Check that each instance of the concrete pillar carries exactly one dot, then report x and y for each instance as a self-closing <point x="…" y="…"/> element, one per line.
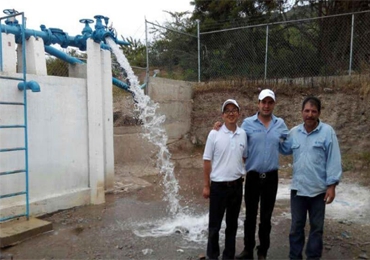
<point x="8" y="53"/>
<point x="95" y="122"/>
<point x="35" y="57"/>
<point x="108" y="119"/>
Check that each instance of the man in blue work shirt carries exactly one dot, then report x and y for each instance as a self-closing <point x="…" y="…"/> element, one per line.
<point x="316" y="172"/>
<point x="265" y="133"/>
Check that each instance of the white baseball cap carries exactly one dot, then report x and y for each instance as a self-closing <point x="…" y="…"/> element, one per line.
<point x="229" y="101"/>
<point x="266" y="93"/>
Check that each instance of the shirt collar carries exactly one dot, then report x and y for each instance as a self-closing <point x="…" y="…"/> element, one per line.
<point x="224" y="128"/>
<point x="318" y="127"/>
<point x="255" y="117"/>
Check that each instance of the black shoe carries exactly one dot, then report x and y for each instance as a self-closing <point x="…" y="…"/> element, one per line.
<point x="261" y="254"/>
<point x="245" y="255"/>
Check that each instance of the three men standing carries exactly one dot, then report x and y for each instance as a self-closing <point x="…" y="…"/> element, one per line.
<point x="316" y="172"/>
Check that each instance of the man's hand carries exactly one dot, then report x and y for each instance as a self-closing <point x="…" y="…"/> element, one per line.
<point x="206" y="191"/>
<point x="217" y="126"/>
<point x="330" y="194"/>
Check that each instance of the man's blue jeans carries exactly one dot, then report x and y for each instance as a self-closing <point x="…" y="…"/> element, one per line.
<point x="315" y="206"/>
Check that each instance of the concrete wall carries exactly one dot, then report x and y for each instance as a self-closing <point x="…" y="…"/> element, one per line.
<point x="70" y="134"/>
<point x="175" y="102"/>
<point x="70" y="130"/>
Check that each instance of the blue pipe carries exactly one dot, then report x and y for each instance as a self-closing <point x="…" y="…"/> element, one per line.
<point x="121" y="84"/>
<point x="32" y="85"/>
<point x="57" y="36"/>
<point x="73" y="60"/>
<point x="61" y="55"/>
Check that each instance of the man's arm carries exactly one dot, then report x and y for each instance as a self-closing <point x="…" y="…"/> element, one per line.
<point x="333" y="161"/>
<point x="333" y="167"/>
<point x="207" y="167"/>
<point x="285" y="145"/>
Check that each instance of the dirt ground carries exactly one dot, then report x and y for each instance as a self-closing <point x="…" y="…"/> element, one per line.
<point x="107" y="231"/>
<point x="111" y="230"/>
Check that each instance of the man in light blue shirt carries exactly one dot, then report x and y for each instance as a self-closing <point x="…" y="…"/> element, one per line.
<point x="265" y="133"/>
<point x="316" y="172"/>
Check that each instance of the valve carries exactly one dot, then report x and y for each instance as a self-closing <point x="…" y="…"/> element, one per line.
<point x="99" y="24"/>
<point x="87" y="29"/>
<point x="11" y="20"/>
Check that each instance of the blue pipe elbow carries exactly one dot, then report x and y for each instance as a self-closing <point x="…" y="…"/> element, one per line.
<point x="32" y="85"/>
<point x="120" y="84"/>
<point x="119" y="42"/>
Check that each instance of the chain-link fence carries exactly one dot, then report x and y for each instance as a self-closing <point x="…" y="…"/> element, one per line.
<point x="324" y="46"/>
<point x="171" y="52"/>
<point x="327" y="46"/>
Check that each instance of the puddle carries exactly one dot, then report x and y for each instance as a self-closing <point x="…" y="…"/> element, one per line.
<point x="352" y="202"/>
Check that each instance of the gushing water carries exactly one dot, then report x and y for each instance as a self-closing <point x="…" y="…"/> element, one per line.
<point x="193" y="228"/>
<point x="153" y="131"/>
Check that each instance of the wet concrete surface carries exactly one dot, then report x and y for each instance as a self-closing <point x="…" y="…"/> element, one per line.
<point x="108" y="231"/>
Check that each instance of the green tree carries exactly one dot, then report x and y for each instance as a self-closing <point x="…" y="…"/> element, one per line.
<point x="134" y="52"/>
<point x="332" y="36"/>
<point x="173" y="48"/>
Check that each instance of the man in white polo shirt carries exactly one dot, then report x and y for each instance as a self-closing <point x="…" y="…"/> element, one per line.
<point x="224" y="156"/>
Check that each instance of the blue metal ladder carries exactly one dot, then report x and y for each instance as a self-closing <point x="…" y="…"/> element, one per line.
<point x="24" y="168"/>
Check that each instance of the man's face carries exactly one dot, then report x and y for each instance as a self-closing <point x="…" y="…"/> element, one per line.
<point x="266" y="106"/>
<point x="230" y="114"/>
<point x="310" y="115"/>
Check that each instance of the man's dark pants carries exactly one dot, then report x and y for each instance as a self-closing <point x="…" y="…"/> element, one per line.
<point x="224" y="197"/>
<point x="315" y="206"/>
<point x="259" y="188"/>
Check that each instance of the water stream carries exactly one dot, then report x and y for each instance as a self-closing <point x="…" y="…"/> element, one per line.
<point x="153" y="130"/>
<point x="181" y="219"/>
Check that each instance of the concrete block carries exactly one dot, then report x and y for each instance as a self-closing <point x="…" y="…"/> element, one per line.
<point x="16" y="231"/>
<point x="168" y="89"/>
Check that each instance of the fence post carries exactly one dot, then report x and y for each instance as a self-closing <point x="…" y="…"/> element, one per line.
<point x="351" y="48"/>
<point x="147" y="59"/>
<point x="198" y="36"/>
<point x="267" y="46"/>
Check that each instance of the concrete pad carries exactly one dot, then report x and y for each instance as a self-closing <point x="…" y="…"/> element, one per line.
<point x="129" y="183"/>
<point x="15" y="231"/>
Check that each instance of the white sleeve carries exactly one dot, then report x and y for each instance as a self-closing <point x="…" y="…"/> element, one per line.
<point x="210" y="145"/>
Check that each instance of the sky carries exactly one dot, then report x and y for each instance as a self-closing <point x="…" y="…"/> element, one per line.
<point x="126" y="16"/>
